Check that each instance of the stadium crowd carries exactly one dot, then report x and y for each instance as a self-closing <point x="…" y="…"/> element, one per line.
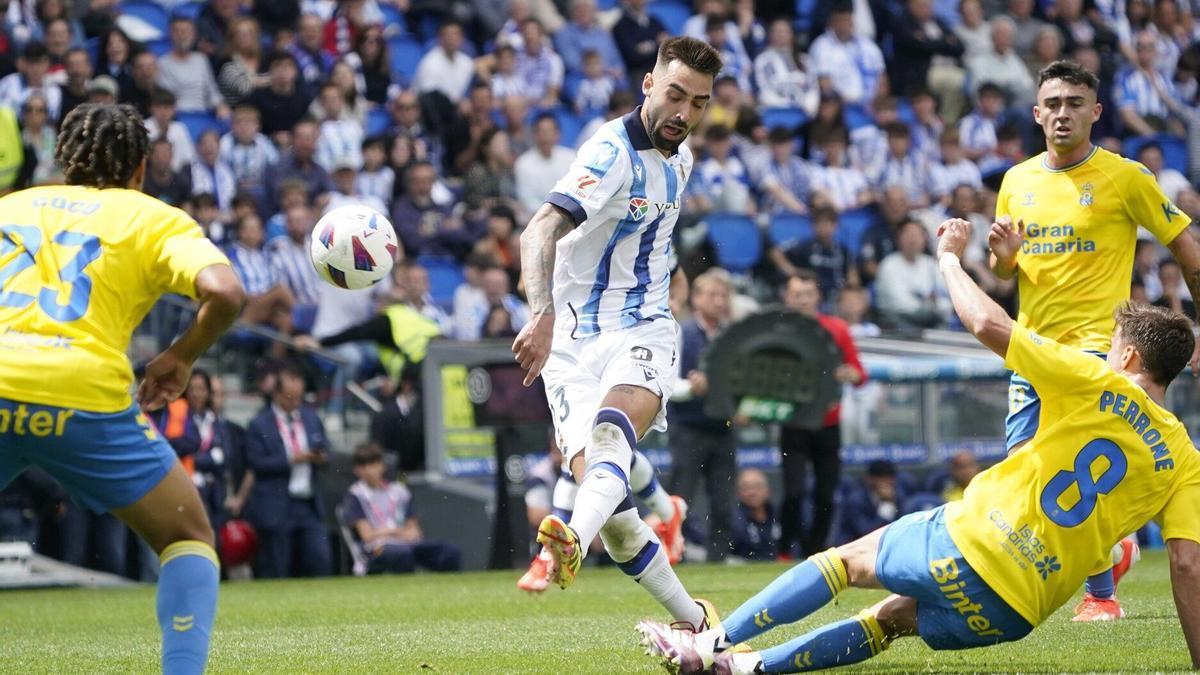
<point x="839" y="134"/>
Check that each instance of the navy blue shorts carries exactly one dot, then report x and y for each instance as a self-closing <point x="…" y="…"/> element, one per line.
<point x="105" y="460"/>
<point x="955" y="608"/>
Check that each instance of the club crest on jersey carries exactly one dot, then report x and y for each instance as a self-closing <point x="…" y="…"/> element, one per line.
<point x="638" y="208"/>
<point x="1086" y="198"/>
<point x="1028" y="199"/>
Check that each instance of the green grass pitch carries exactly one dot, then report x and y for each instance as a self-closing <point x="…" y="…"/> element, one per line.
<point x="480" y="623"/>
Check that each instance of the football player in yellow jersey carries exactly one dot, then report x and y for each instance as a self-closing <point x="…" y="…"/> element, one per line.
<point x="1077" y="208"/>
<point x="80" y="266"/>
<point x="991" y="567"/>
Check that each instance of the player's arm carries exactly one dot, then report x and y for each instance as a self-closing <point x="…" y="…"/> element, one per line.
<point x="1186" y="250"/>
<point x="1004" y="242"/>
<point x="677" y="294"/>
<point x="986" y="320"/>
<point x="538" y="242"/>
<point x="221" y="297"/>
<point x="1185" y="585"/>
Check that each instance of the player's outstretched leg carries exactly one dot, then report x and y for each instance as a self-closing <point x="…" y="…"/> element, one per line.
<point x="638" y="552"/>
<point x="537" y="578"/>
<point x="172" y="520"/>
<point x="670" y="511"/>
<point x="1100" y="601"/>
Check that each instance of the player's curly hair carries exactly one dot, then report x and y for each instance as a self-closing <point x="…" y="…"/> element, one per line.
<point x="1162" y="338"/>
<point x="102" y="145"/>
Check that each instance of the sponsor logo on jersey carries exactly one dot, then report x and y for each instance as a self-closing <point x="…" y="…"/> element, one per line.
<point x="585" y="185"/>
<point x="945" y="572"/>
<point x="638" y="208"/>
<point x="641" y="354"/>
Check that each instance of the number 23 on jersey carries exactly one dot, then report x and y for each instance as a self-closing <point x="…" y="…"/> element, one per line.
<point x="19" y="248"/>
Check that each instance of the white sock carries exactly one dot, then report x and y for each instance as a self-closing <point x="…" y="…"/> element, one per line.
<point x="602" y="490"/>
<point x="626" y="538"/>
<point x="642" y="479"/>
<point x="745" y="663"/>
<point x="563" y="497"/>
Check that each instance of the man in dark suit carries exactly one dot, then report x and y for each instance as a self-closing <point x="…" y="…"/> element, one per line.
<point x="400" y="427"/>
<point x="927" y="55"/>
<point x="285" y="448"/>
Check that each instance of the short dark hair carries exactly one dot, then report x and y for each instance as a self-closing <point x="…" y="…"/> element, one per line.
<point x="991" y="88"/>
<point x="1152" y="145"/>
<point x="279" y="56"/>
<point x="35" y="51"/>
<point x="542" y="117"/>
<point x="1161" y="337"/>
<point x="161" y="96"/>
<point x="367" y="453"/>
<point x="807" y="276"/>
<point x="204" y="199"/>
<point x="717" y="132"/>
<point x="824" y="213"/>
<point x="693" y="53"/>
<point x="780" y="135"/>
<point x="897" y="129"/>
<point x="1070" y="72"/>
<point x="102" y="145"/>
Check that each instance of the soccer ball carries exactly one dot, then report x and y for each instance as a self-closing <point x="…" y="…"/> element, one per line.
<point x="353" y="246"/>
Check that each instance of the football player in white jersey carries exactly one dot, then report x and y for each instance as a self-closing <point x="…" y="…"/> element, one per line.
<point x="602" y="335"/>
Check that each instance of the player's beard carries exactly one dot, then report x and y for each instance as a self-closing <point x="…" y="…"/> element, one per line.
<point x="663" y="142"/>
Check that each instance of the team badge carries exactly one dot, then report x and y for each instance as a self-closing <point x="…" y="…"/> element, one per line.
<point x="1028" y="199"/>
<point x="638" y="207"/>
<point x="1086" y="198"/>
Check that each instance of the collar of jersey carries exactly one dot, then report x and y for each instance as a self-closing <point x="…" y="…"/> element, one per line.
<point x="1068" y="168"/>
<point x="637" y="131"/>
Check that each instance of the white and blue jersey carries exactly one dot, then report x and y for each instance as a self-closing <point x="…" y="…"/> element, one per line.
<point x="613" y="271"/>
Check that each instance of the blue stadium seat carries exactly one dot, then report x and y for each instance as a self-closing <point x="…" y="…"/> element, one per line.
<point x="672" y="15"/>
<point x="788" y="229"/>
<point x="788" y="118"/>
<point x="804" y="16"/>
<point x="152" y="13"/>
<point x="445" y="276"/>
<point x="428" y="26"/>
<point x="405" y="54"/>
<point x="378" y="120"/>
<point x="393" y="19"/>
<point x="92" y="45"/>
<point x="159" y="47"/>
<point x="852" y="225"/>
<point x="188" y="10"/>
<point x="199" y="122"/>
<point x="735" y="240"/>
<point x="569" y="124"/>
<point x="856" y="116"/>
<point x="1174" y="149"/>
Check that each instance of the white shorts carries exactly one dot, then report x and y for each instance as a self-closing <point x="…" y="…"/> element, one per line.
<point x="580" y="371"/>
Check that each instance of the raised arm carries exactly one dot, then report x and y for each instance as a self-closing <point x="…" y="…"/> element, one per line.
<point x="538" y="241"/>
<point x="1004" y="242"/>
<point x="1186" y="250"/>
<point x="1185" y="585"/>
<point x="986" y="320"/>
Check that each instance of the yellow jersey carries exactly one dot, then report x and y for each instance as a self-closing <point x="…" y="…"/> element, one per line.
<point x="79" y="269"/>
<point x="1076" y="263"/>
<point x="1105" y="460"/>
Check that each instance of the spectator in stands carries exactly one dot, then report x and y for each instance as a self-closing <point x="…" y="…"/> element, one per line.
<point x="1047" y="48"/>
<point x="823" y="254"/>
<point x="162" y="124"/>
<point x="30" y="77"/>
<point x="102" y="90"/>
<point x="1083" y="29"/>
<point x="977" y="131"/>
<point x="289" y="257"/>
<point x="583" y="33"/>
<point x="1028" y="26"/>
<point x="188" y="74"/>
<point x="723" y="35"/>
<point x="1175" y="295"/>
<point x="964" y="203"/>
<point x="283" y="103"/>
<point x="143" y="77"/>
<point x="380" y="514"/>
<point x="246" y="151"/>
<point x="211" y="175"/>
<point x="79" y="71"/>
<point x="447" y="69"/>
<point x="268" y="301"/>
<point x="501" y="244"/>
<point x="860" y="403"/>
<point x="905" y="168"/>
<point x="955" y="169"/>
<point x="214" y="27"/>
<point x="116" y="53"/>
<point x="200" y="438"/>
<point x="595" y="88"/>
<point x="850" y="65"/>
<point x="540" y="167"/>
<point x="973" y="32"/>
<point x="244" y="71"/>
<point x="372" y="66"/>
<point x="927" y="126"/>
<point x="963" y="468"/>
<point x="350" y="18"/>
<point x="502" y="73"/>
<point x="37" y="133"/>
<point x="425" y="227"/>
<point x="781" y="81"/>
<point x="345" y="183"/>
<point x="208" y="216"/>
<point x="1007" y="153"/>
<point x="1175" y="32"/>
<point x="286" y="447"/>
<point x="300" y="163"/>
<point x="784" y="179"/>
<point x="638" y="35"/>
<point x="406" y="122"/>
<point x="927" y="55"/>
<point x="1171" y="181"/>
<point x="162" y="181"/>
<point x="720" y="182"/>
<point x="908" y="289"/>
<point x="755" y="528"/>
<point x="822" y="446"/>
<point x="399" y="429"/>
<point x="703" y="448"/>
<point x="1003" y="67"/>
<point x="308" y="52"/>
<point x="470" y="318"/>
<point x="539" y="66"/>
<point x="413" y="281"/>
<point x="880" y="238"/>
<point x="57" y="38"/>
<point x="836" y="183"/>
<point x="873" y="502"/>
<point x="468" y="128"/>
<point x="490" y="180"/>
<point x="341" y="134"/>
<point x="376" y="179"/>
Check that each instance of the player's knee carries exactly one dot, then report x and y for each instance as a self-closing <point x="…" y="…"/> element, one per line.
<point x="625" y="535"/>
<point x="897" y="616"/>
<point x="612" y="443"/>
<point x="859" y="559"/>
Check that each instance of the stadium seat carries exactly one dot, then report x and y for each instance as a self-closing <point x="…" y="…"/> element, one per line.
<point x="199" y="122"/>
<point x="159" y="47"/>
<point x="605" y="5"/>
<point x="788" y="118"/>
<point x="1174" y="149"/>
<point x="672" y="15"/>
<point x="378" y="120"/>
<point x="445" y="276"/>
<point x="405" y="54"/>
<point x="804" y="16"/>
<point x="92" y="45"/>
<point x="852" y="225"/>
<point x="393" y="19"/>
<point x="856" y="116"/>
<point x="569" y="124"/>
<point x="151" y="13"/>
<point x="735" y="240"/>
<point x="188" y="10"/>
<point x="428" y="25"/>
<point x="788" y="229"/>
